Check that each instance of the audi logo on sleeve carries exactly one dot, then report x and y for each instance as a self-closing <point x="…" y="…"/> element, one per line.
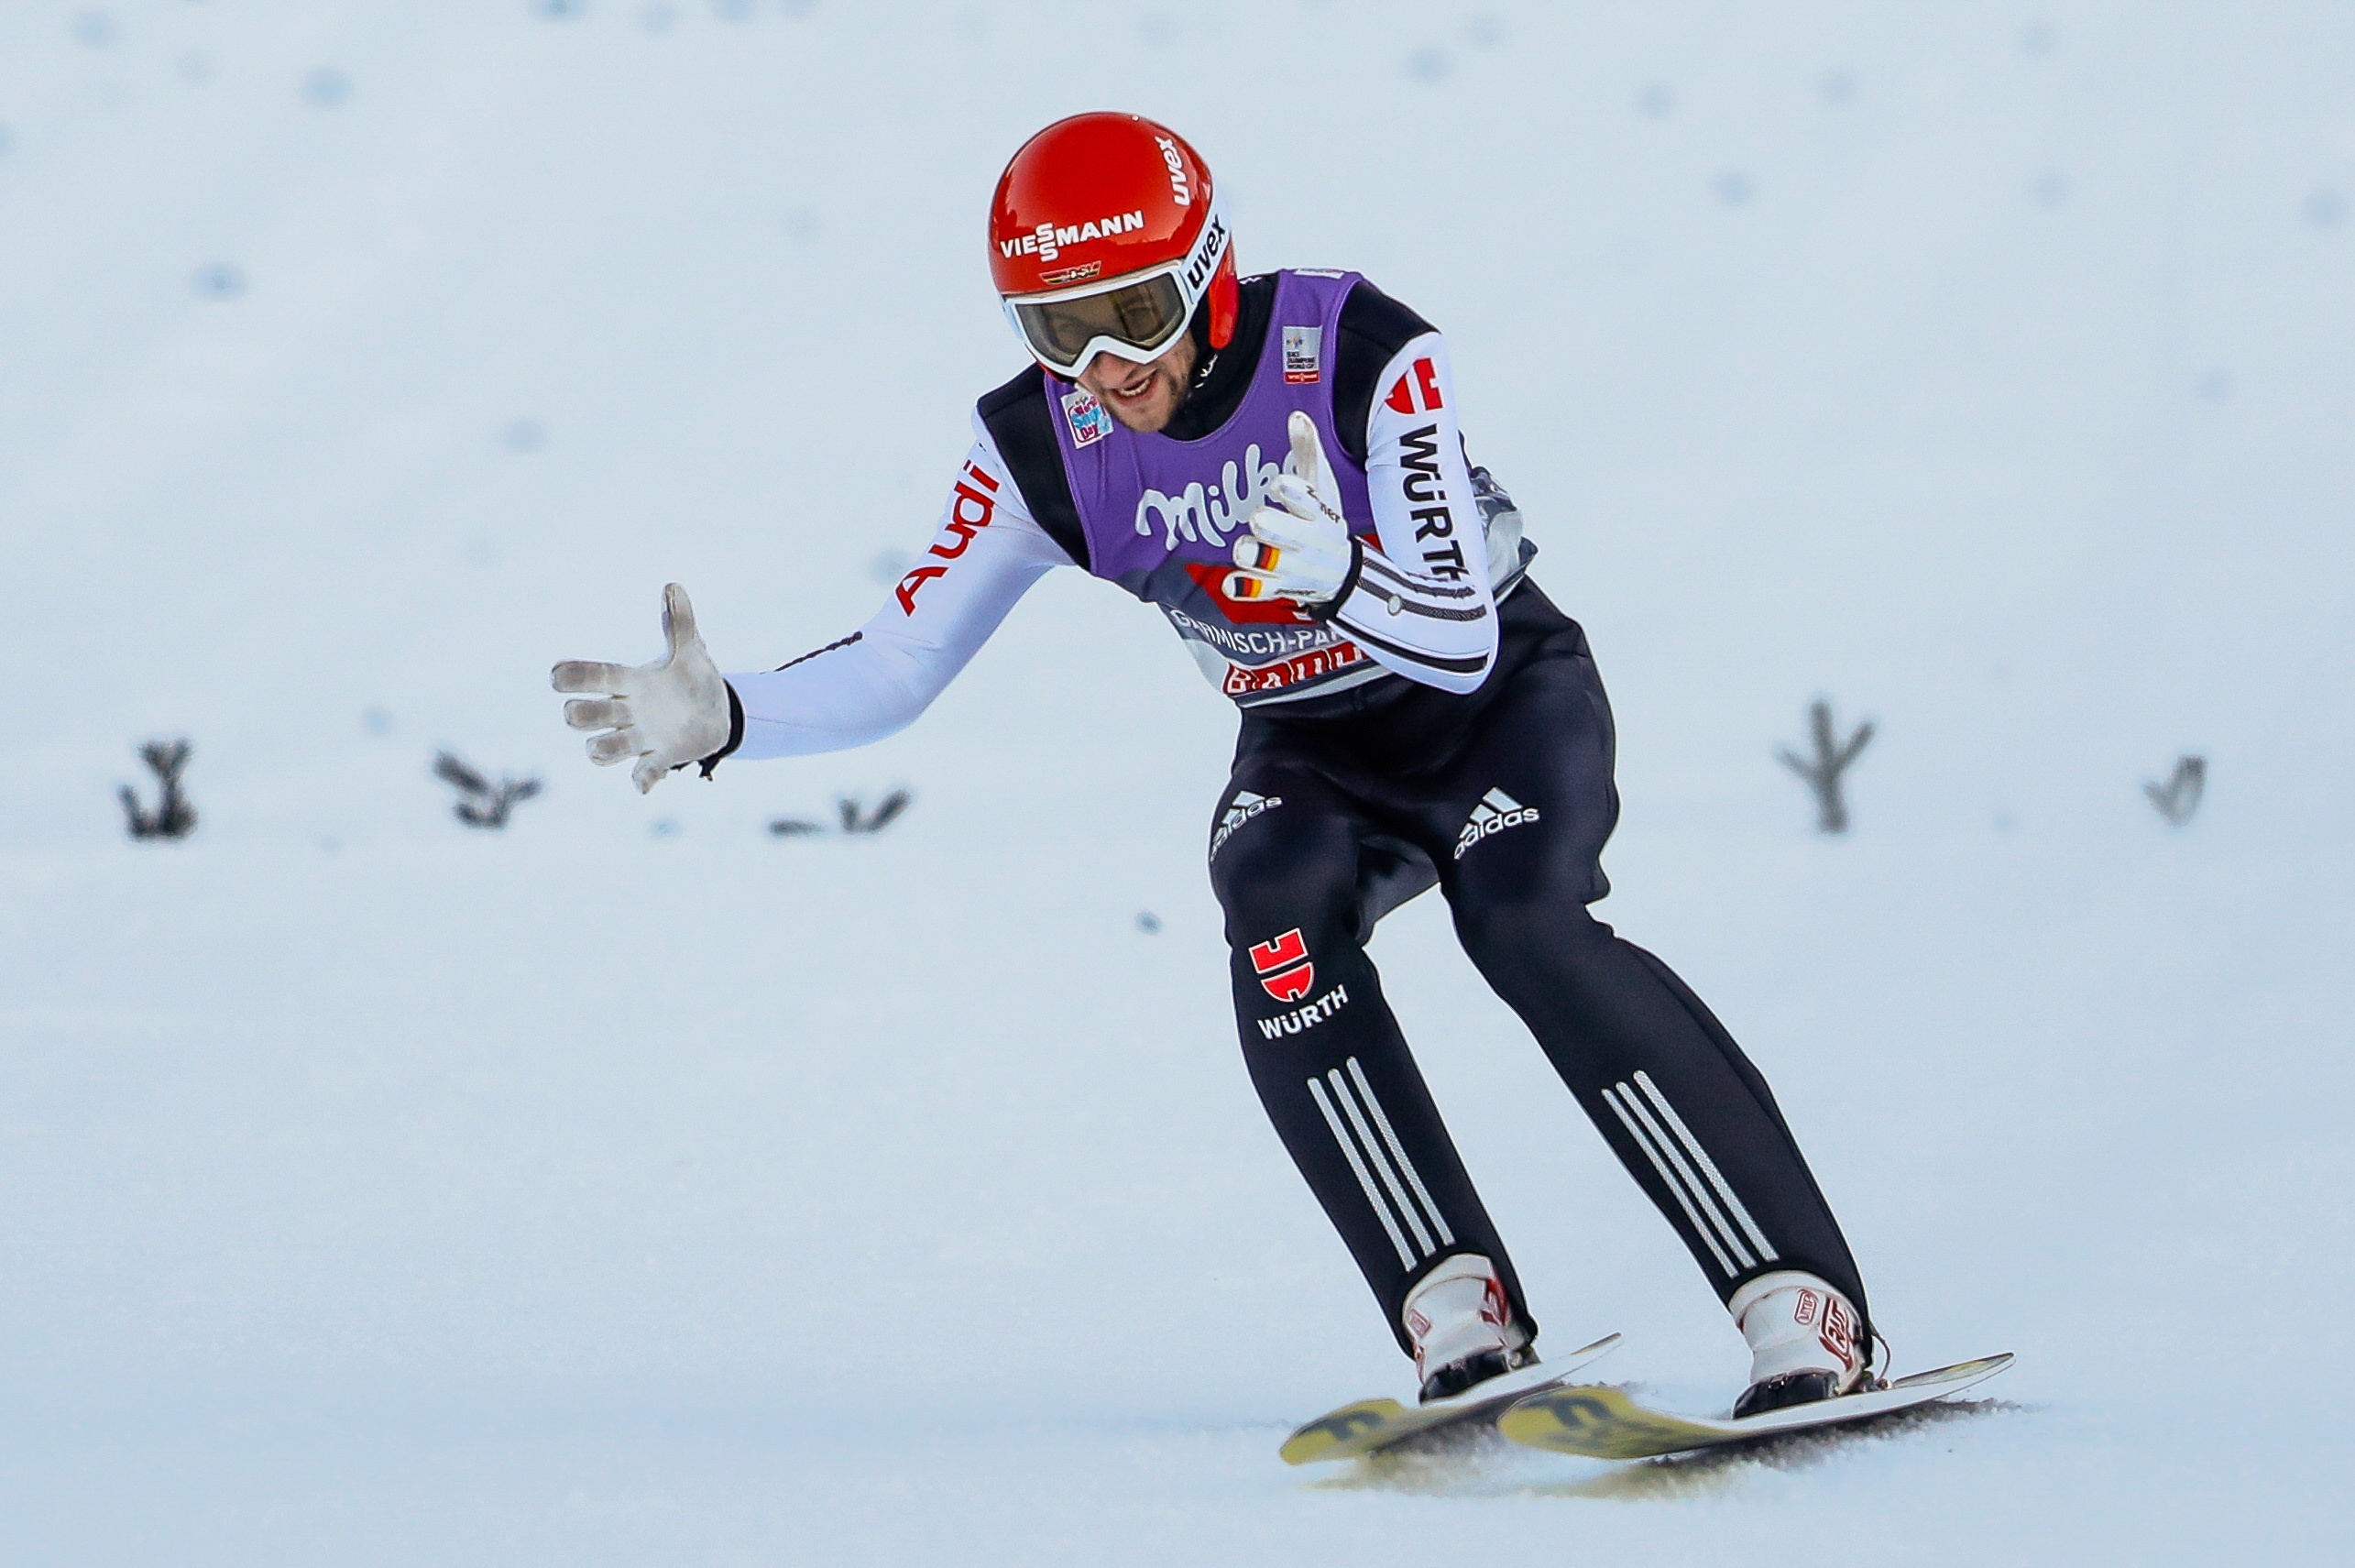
<point x="970" y="511"/>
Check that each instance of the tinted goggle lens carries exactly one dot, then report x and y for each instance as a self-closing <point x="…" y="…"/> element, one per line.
<point x="1143" y="316"/>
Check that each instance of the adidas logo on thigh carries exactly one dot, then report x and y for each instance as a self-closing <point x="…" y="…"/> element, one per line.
<point x="1496" y="812"/>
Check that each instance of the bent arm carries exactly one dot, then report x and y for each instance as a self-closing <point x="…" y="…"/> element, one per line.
<point x="875" y="682"/>
<point x="1421" y="603"/>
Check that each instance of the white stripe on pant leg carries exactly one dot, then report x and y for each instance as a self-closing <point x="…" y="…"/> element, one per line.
<point x="1692" y="1178"/>
<point x="1349" y="1151"/>
<point x="1447" y="1237"/>
<point x="1610" y="1098"/>
<point x="1381" y="1165"/>
<point x="1708" y="1166"/>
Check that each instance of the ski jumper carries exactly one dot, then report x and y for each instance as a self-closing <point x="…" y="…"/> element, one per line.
<point x="1441" y="724"/>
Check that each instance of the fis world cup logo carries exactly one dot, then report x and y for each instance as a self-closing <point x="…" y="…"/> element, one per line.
<point x="1496" y="812"/>
<point x="1303" y="354"/>
<point x="1285" y="972"/>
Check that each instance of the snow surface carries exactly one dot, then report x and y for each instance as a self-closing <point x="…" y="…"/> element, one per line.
<point x="634" y="1187"/>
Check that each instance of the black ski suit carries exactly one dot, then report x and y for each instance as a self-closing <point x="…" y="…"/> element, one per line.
<point x="1507" y="795"/>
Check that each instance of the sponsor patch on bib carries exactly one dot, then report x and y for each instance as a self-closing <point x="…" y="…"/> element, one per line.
<point x="1303" y="347"/>
<point x="1091" y="422"/>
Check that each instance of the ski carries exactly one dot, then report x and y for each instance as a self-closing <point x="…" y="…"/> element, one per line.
<point x="1605" y="1423"/>
<point x="1370" y="1426"/>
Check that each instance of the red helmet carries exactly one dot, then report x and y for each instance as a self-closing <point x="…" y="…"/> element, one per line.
<point x="1105" y="235"/>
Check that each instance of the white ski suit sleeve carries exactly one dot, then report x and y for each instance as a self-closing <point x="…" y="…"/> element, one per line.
<point x="1423" y="602"/>
<point x="876" y="681"/>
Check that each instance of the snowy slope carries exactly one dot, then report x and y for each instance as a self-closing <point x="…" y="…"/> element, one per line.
<point x="384" y="1191"/>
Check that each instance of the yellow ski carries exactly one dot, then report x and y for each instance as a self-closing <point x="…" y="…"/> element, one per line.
<point x="1371" y="1425"/>
<point x="1604" y="1423"/>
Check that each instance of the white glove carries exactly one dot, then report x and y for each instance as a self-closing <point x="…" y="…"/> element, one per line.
<point x="1303" y="553"/>
<point x="666" y="714"/>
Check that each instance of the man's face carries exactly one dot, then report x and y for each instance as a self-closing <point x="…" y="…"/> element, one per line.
<point x="1142" y="396"/>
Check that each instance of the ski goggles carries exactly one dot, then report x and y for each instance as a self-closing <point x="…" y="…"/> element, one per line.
<point x="1135" y="317"/>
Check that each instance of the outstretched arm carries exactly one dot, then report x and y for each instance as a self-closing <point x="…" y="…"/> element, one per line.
<point x="856" y="689"/>
<point x="874" y="682"/>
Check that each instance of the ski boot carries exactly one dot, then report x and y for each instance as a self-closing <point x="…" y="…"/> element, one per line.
<point x="1462" y="1328"/>
<point x="1804" y="1343"/>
